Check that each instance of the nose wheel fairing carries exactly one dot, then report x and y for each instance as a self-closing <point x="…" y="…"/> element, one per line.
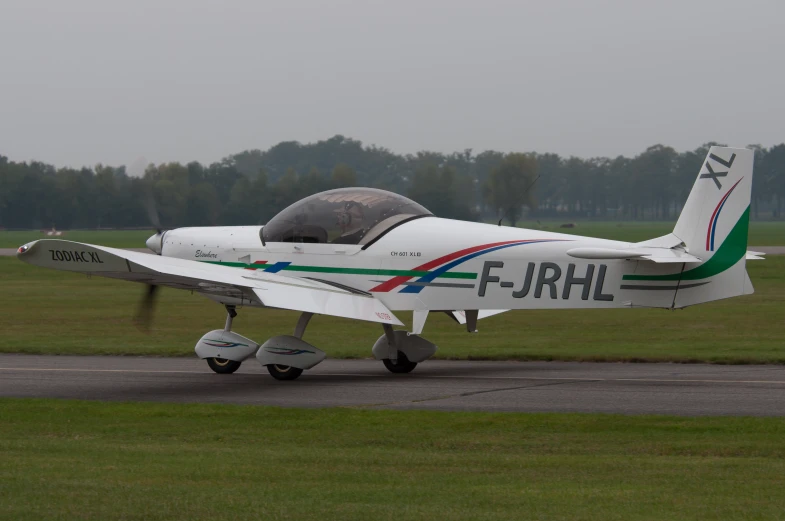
<point x="225" y="345"/>
<point x="284" y="356"/>
<point x="289" y="351"/>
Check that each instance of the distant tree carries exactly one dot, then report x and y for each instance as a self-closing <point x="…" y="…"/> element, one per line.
<point x="654" y="175"/>
<point x="773" y="175"/>
<point x="202" y="205"/>
<point x="509" y="185"/>
<point x="760" y="190"/>
<point x="106" y="189"/>
<point x="251" y="186"/>
<point x="287" y="190"/>
<point x="249" y="202"/>
<point x="443" y="191"/>
<point x="343" y="175"/>
<point x="313" y="183"/>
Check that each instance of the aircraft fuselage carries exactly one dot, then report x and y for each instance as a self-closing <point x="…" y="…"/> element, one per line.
<point x="443" y="264"/>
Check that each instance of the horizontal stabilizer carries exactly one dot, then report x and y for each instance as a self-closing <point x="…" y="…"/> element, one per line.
<point x="658" y="255"/>
<point x="755" y="255"/>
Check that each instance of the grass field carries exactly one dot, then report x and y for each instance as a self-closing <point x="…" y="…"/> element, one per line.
<point x="761" y="233"/>
<point x="83" y="460"/>
<point x="45" y="311"/>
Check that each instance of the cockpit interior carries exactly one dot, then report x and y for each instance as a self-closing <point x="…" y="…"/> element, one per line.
<point x="356" y="216"/>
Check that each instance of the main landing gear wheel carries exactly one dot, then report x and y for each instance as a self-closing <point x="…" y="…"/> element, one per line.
<point x="284" y="372"/>
<point x="223" y="366"/>
<point x="402" y="365"/>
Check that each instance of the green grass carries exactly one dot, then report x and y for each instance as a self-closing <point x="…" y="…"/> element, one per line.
<point x="762" y="233"/>
<point x="52" y="312"/>
<point x="83" y="460"/>
<point x="113" y="238"/>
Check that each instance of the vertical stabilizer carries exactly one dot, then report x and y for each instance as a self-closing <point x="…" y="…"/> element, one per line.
<point x="713" y="226"/>
<point x="719" y="200"/>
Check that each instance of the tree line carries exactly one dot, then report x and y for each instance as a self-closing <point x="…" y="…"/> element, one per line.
<point x="252" y="186"/>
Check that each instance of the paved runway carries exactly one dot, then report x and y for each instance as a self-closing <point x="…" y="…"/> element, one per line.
<point x="680" y="389"/>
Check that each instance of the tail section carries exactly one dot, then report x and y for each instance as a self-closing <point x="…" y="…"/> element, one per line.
<point x="713" y="226"/>
<point x="712" y="229"/>
<point x="719" y="200"/>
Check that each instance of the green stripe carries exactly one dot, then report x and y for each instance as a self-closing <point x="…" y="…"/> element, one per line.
<point x="732" y="250"/>
<point x="350" y="271"/>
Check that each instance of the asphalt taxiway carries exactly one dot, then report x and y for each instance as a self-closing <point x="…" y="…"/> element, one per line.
<point x="679" y="389"/>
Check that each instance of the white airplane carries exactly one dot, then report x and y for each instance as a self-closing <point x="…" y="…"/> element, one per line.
<point x="363" y="253"/>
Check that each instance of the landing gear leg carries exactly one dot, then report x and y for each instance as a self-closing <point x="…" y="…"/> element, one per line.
<point x="222" y="365"/>
<point x="396" y="361"/>
<point x="286" y="372"/>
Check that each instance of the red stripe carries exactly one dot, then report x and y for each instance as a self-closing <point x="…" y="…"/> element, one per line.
<point x="256" y="262"/>
<point x="708" y="232"/>
<point x="396" y="281"/>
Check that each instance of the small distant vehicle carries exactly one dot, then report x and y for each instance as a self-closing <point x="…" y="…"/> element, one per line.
<point x="362" y="253"/>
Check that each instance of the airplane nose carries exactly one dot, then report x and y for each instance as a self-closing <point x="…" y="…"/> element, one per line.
<point x="155" y="243"/>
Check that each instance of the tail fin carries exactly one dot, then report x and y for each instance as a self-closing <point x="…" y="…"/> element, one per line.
<point x="720" y="198"/>
<point x="713" y="226"/>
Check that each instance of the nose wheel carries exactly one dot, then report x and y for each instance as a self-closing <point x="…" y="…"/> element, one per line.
<point x="284" y="372"/>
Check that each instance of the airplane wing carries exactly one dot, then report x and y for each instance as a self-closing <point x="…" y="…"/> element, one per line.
<point x="267" y="289"/>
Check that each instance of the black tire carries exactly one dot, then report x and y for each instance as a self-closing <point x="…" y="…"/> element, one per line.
<point x="223" y="366"/>
<point x="400" y="366"/>
<point x="284" y="372"/>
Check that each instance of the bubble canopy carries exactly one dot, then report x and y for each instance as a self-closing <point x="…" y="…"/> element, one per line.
<point x="342" y="216"/>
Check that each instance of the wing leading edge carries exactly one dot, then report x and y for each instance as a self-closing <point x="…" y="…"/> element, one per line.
<point x="267" y="289"/>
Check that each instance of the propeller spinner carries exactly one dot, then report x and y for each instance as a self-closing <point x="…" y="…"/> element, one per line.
<point x="156" y="242"/>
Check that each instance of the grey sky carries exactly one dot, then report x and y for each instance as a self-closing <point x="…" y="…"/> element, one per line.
<point x="87" y="81"/>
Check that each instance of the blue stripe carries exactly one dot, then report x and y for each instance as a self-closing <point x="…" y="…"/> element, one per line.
<point x="278" y="266"/>
<point x="437" y="272"/>
<point x="717" y="218"/>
